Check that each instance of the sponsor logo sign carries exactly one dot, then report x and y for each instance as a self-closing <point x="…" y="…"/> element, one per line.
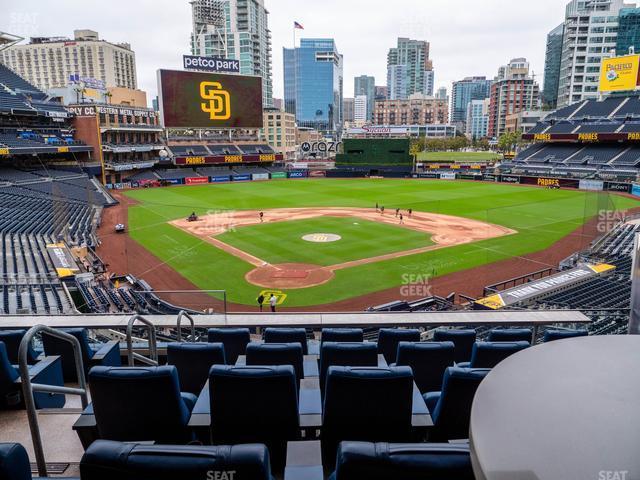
<point x="278" y="175"/>
<point x="635" y="190"/>
<point x="196" y="180"/>
<point x="210" y="64"/>
<point x="427" y="175"/>
<point x="593" y="185"/>
<point x="4" y="151"/>
<point x="322" y="147"/>
<point x="260" y="176"/>
<point x="619" y="73"/>
<point x="489" y="178"/>
<point x="241" y="178"/>
<point x="296" y="175"/>
<point x="509" y="179"/>
<point x="617" y="187"/>
<point x="447" y="176"/>
<point x="92" y="110"/>
<point x="221" y="178"/>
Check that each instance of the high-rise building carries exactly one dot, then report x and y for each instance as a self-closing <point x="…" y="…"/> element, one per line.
<point x="381" y="92"/>
<point x="416" y="110"/>
<point x="590" y="33"/>
<point x="360" y="109"/>
<point x="628" y="31"/>
<point x="56" y="62"/>
<point x="236" y="29"/>
<point x="409" y="69"/>
<point x="279" y="131"/>
<point x="477" y="124"/>
<point x="313" y="84"/>
<point x="366" y="85"/>
<point x="348" y="106"/>
<point x="442" y="94"/>
<point x="552" y="61"/>
<point x="463" y="92"/>
<point x="512" y="91"/>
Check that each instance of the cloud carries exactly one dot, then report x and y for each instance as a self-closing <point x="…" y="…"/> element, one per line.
<point x="467" y="37"/>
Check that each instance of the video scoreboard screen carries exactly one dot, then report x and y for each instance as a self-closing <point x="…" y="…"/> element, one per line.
<point x="209" y="100"/>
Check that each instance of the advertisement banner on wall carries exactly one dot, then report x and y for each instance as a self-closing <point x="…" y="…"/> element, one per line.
<point x="297" y="174"/>
<point x="489" y="178"/>
<point x="259" y="176"/>
<point x="427" y="175"/>
<point x="635" y="190"/>
<point x="278" y="175"/>
<point x="241" y="178"/>
<point x="196" y="180"/>
<point x="220" y="178"/>
<point x="509" y="179"/>
<point x="617" y="187"/>
<point x="173" y="181"/>
<point x="447" y="176"/>
<point x="592" y="185"/>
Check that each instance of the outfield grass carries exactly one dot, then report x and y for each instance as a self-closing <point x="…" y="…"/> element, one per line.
<point x="282" y="242"/>
<point x="459" y="157"/>
<point x="540" y="216"/>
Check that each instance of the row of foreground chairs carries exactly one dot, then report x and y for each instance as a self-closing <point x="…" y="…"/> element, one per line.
<point x="108" y="460"/>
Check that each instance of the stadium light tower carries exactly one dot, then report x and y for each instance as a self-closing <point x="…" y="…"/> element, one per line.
<point x="209" y="19"/>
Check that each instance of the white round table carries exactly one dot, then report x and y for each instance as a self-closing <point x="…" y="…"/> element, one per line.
<point x="563" y="410"/>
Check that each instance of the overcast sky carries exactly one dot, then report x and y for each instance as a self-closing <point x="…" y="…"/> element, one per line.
<point x="468" y="37"/>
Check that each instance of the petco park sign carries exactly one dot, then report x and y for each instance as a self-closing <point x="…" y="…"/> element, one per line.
<point x="210" y="64"/>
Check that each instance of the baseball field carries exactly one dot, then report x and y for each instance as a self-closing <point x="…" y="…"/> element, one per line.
<point x="322" y="241"/>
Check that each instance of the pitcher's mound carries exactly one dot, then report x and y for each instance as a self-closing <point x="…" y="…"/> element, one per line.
<point x="289" y="275"/>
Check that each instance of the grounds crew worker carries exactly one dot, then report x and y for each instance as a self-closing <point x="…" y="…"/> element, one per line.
<point x="260" y="301"/>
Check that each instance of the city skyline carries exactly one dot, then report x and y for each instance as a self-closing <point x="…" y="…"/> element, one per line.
<point x="364" y="44"/>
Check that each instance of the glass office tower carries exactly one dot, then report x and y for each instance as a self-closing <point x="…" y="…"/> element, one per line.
<point x="313" y="84"/>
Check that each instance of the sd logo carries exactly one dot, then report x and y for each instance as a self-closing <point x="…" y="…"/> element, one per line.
<point x="219" y="101"/>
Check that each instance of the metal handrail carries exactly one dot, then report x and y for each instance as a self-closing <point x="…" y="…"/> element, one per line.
<point x="28" y="388"/>
<point x="193" y="325"/>
<point x="153" y="348"/>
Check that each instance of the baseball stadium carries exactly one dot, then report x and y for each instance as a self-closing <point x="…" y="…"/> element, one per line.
<point x="180" y="300"/>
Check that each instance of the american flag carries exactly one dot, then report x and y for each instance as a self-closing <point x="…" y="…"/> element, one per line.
<point x="298" y="26"/>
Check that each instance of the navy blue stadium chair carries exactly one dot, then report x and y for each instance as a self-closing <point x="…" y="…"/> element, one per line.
<point x="235" y="341"/>
<point x="193" y="362"/>
<point x="450" y="408"/>
<point x="389" y="338"/>
<point x="366" y="404"/>
<point x="252" y="404"/>
<point x="107" y="460"/>
<point x="140" y="404"/>
<point x="342" y="335"/>
<point x="47" y="372"/>
<point x="489" y="354"/>
<point x="287" y="335"/>
<point x="510" y="335"/>
<point x="346" y="354"/>
<point x="551" y="334"/>
<point x="428" y="361"/>
<point x="265" y="354"/>
<point x="406" y="461"/>
<point x="107" y="354"/>
<point x="14" y="462"/>
<point x="463" y="339"/>
<point x="12" y="339"/>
